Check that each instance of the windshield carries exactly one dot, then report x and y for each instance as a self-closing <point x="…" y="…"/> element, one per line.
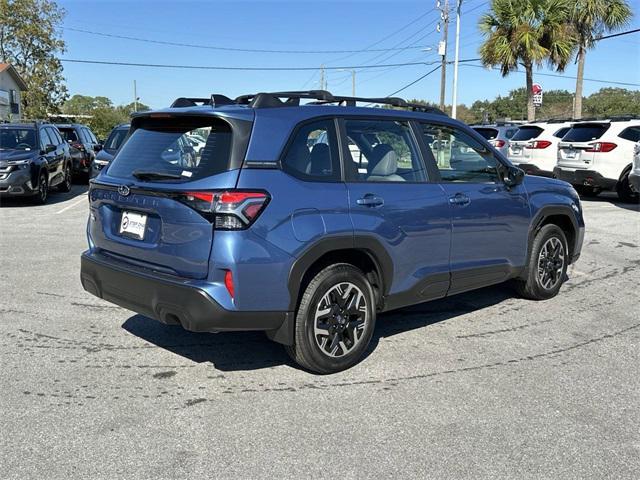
<point x="17" y="138"/>
<point x="115" y="139"/>
<point x="585" y="132"/>
<point x="161" y="148"/>
<point x="526" y="133"/>
<point x="487" y="133"/>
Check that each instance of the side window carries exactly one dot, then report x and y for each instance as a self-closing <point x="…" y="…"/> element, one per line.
<point x="84" y="138"/>
<point x="92" y="138"/>
<point x="510" y="132"/>
<point x="44" y="138"/>
<point x="459" y="157"/>
<point x="631" y="133"/>
<point x="54" y="136"/>
<point x="382" y="151"/>
<point x="313" y="153"/>
<point x="562" y="132"/>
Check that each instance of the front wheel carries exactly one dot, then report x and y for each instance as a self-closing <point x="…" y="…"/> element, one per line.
<point x="548" y="263"/>
<point x="43" y="190"/>
<point x="335" y="320"/>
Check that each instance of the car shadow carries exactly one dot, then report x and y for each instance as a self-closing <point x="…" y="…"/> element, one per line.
<point x="240" y="351"/>
<point x="612" y="199"/>
<point x="54" y="198"/>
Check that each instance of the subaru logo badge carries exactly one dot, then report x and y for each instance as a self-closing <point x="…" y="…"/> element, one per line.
<point x="124" y="190"/>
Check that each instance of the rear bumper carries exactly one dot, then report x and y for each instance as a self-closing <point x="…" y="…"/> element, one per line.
<point x="634" y="181"/>
<point x="531" y="169"/>
<point x="173" y="302"/>
<point x="589" y="178"/>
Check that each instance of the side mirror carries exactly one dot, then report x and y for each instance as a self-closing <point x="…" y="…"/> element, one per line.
<point x="50" y="148"/>
<point x="97" y="147"/>
<point x="513" y="176"/>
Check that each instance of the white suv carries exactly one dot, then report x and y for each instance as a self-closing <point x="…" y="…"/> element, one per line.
<point x="634" y="176"/>
<point x="534" y="147"/>
<point x="597" y="155"/>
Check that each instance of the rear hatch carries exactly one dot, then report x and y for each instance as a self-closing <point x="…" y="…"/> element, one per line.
<point x="518" y="151"/>
<point x="152" y="205"/>
<point x="491" y="135"/>
<point x="576" y="150"/>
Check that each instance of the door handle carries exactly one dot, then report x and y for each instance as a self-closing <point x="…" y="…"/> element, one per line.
<point x="370" y="200"/>
<point x="459" y="199"/>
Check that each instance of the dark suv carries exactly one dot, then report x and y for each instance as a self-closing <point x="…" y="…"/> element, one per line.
<point x="306" y="221"/>
<point x="83" y="146"/>
<point x="111" y="145"/>
<point x="33" y="158"/>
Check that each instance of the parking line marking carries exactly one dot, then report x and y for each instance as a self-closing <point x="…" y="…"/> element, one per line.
<point x="72" y="205"/>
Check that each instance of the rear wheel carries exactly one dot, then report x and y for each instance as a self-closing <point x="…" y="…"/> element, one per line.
<point x="335" y="320"/>
<point x="547" y="267"/>
<point x="43" y="190"/>
<point x="589" y="192"/>
<point x="625" y="193"/>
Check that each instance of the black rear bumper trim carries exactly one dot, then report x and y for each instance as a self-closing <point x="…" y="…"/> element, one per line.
<point x="170" y="301"/>
<point x="589" y="178"/>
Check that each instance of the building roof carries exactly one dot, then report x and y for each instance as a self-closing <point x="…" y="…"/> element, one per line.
<point x="14" y="73"/>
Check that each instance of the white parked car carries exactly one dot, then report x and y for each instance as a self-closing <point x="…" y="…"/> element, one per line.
<point x="634" y="176"/>
<point x="534" y="147"/>
<point x="597" y="155"/>
<point x="497" y="135"/>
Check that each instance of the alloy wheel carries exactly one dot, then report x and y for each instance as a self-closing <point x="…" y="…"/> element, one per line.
<point x="340" y="319"/>
<point x="551" y="263"/>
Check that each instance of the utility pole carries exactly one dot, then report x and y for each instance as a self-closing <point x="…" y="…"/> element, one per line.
<point x="454" y="107"/>
<point x="442" y="49"/>
<point x="353" y="83"/>
<point x="135" y="97"/>
<point x="322" y="80"/>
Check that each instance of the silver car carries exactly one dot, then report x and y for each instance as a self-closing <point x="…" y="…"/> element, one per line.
<point x="498" y="135"/>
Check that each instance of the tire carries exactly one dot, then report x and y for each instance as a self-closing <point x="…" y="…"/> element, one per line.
<point x="40" y="198"/>
<point x="589" y="192"/>
<point x="547" y="268"/>
<point x="335" y="290"/>
<point x="625" y="193"/>
<point x="66" y="184"/>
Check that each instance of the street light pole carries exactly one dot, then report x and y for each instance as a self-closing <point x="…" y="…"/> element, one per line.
<point x="135" y="97"/>
<point x="454" y="106"/>
<point x="353" y="83"/>
<point x="442" y="50"/>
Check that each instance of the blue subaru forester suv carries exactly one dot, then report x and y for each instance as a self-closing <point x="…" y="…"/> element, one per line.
<point x="306" y="221"/>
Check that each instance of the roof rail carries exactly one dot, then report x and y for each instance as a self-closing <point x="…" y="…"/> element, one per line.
<point x="215" y="100"/>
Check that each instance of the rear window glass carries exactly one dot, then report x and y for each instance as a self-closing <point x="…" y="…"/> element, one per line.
<point x="159" y="150"/>
<point x="526" y="133"/>
<point x="69" y="134"/>
<point x="488" y="133"/>
<point x="562" y="132"/>
<point x="115" y="139"/>
<point x="586" y="132"/>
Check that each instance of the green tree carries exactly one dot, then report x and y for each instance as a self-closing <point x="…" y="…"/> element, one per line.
<point x="591" y="19"/>
<point x="527" y="33"/>
<point x="613" y="101"/>
<point x="29" y="40"/>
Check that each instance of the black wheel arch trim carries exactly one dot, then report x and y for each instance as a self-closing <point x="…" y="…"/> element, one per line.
<point x="546" y="212"/>
<point x="369" y="245"/>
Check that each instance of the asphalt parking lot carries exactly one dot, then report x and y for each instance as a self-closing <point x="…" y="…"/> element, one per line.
<point x="481" y="385"/>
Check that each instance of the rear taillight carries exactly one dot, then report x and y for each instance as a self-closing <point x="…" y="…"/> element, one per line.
<point x="601" y="147"/>
<point x="79" y="146"/>
<point x="228" y="210"/>
<point x="498" y="143"/>
<point x="538" y="144"/>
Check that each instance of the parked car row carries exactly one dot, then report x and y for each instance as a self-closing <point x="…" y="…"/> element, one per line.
<point x="592" y="155"/>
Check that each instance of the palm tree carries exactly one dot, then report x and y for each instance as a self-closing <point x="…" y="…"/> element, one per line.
<point x="591" y="19"/>
<point x="527" y="33"/>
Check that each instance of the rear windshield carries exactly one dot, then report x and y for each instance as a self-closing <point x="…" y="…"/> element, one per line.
<point x="488" y="133"/>
<point x="17" y="139"/>
<point x="115" y="139"/>
<point x="526" y="133"/>
<point x="585" y="132"/>
<point x="69" y="134"/>
<point x="160" y="147"/>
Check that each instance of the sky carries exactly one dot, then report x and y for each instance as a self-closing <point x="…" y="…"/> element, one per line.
<point x="409" y="27"/>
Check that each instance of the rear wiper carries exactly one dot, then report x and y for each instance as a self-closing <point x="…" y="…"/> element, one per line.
<point x="151" y="175"/>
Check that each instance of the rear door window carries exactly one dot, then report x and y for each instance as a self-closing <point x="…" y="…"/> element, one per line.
<point x="631" y="133"/>
<point x="585" y="132"/>
<point x="157" y="151"/>
<point x="487" y="133"/>
<point x="562" y="132"/>
<point x="313" y="153"/>
<point x="526" y="133"/>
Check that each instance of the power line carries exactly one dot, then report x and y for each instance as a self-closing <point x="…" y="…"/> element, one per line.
<point x="234" y="49"/>
<point x="628" y="32"/>
<point x="415" y="81"/>
<point x="220" y="67"/>
<point x="597" y="80"/>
